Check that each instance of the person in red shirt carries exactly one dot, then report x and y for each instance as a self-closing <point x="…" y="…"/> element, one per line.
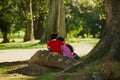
<point x="54" y="45"/>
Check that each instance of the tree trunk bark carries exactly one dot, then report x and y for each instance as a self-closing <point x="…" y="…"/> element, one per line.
<point x="5" y="38"/>
<point x="109" y="44"/>
<point x="51" y="59"/>
<point x="29" y="34"/>
<point x="39" y="30"/>
<point x="56" y="22"/>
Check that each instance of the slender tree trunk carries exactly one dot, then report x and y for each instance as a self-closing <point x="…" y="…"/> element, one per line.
<point x="29" y="34"/>
<point x="109" y="44"/>
<point x="56" y="22"/>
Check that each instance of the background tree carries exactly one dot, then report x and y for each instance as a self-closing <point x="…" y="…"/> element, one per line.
<point x="5" y="26"/>
<point x="6" y="19"/>
<point x="40" y="13"/>
<point x="90" y="18"/>
<point x="108" y="46"/>
<point x="18" y="15"/>
<point x="56" y="21"/>
<point x="29" y="34"/>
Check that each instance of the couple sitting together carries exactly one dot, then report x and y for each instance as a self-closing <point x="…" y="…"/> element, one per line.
<point x="58" y="45"/>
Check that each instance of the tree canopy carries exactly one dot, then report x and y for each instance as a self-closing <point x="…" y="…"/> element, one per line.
<point x="82" y="17"/>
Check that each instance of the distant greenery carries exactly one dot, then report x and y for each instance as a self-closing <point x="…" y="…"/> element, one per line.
<point x="19" y="44"/>
<point x="82" y="17"/>
<point x="22" y="45"/>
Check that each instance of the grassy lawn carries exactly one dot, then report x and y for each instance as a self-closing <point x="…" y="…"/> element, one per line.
<point x="22" y="45"/>
<point x="81" y="47"/>
<point x="10" y="51"/>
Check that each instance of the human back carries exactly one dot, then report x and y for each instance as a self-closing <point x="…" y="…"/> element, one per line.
<point x="68" y="50"/>
<point x="65" y="49"/>
<point x="54" y="45"/>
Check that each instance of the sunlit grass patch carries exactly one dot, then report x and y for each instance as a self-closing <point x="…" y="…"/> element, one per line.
<point x="22" y="45"/>
<point x="83" y="46"/>
<point x="44" y="77"/>
<point x="85" y="40"/>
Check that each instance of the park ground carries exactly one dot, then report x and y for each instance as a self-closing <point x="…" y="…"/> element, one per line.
<point x="24" y="51"/>
<point x="11" y="59"/>
<point x="26" y="54"/>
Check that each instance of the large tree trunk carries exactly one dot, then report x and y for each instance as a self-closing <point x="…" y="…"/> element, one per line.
<point x="109" y="44"/>
<point x="38" y="29"/>
<point x="5" y="38"/>
<point x="56" y="22"/>
<point x="29" y="34"/>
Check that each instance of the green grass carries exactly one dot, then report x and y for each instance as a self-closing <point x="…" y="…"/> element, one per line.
<point x="23" y="45"/>
<point x="19" y="44"/>
<point x="82" y="46"/>
<point x="43" y="77"/>
<point x="86" y="43"/>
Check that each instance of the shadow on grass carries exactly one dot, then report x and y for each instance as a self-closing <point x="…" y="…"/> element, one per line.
<point x="28" y="69"/>
<point x="13" y="63"/>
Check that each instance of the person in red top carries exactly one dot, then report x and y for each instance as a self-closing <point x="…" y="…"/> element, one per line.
<point x="54" y="45"/>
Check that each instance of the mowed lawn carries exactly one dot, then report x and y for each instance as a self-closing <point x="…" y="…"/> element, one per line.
<point x="19" y="50"/>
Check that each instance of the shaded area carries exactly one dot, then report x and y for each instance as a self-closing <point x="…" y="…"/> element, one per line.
<point x="100" y="71"/>
<point x="43" y="61"/>
<point x="103" y="71"/>
<point x="12" y="63"/>
<point x="31" y="70"/>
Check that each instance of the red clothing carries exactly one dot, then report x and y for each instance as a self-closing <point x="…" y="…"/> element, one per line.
<point x="55" y="46"/>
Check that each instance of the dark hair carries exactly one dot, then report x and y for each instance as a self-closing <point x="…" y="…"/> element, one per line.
<point x="61" y="38"/>
<point x="53" y="36"/>
<point x="70" y="47"/>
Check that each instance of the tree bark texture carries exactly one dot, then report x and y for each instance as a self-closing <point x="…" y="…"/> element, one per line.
<point x="56" y="21"/>
<point x="29" y="34"/>
<point x="38" y="28"/>
<point x="51" y="59"/>
<point x="5" y="38"/>
<point x="109" y="44"/>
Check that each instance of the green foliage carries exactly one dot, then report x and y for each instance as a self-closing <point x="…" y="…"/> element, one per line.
<point x="82" y="16"/>
<point x="74" y="33"/>
<point x="16" y="13"/>
<point x="86" y="13"/>
<point x="6" y="16"/>
<point x="4" y="26"/>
